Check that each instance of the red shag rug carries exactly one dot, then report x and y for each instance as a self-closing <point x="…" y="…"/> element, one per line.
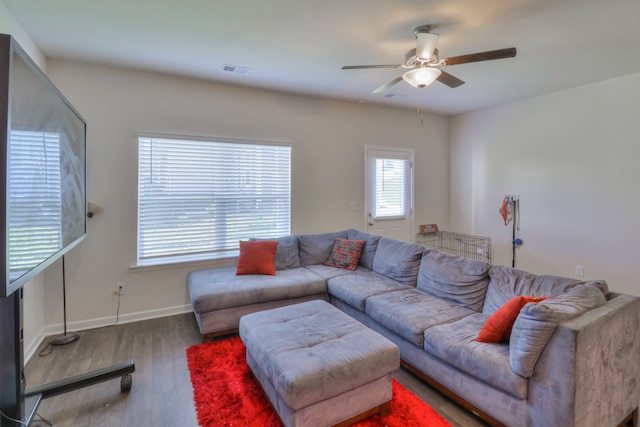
<point x="226" y="394"/>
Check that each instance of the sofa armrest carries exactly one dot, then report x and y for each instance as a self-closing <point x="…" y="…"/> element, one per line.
<point x="589" y="372"/>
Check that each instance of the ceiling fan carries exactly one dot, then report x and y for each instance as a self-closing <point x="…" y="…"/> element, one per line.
<point x="422" y="62"/>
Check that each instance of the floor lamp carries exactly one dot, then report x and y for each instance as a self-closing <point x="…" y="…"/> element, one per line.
<point x="66" y="337"/>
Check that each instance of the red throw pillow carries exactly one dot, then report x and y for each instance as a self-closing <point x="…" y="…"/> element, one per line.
<point x="345" y="254"/>
<point x="498" y="326"/>
<point x="257" y="257"/>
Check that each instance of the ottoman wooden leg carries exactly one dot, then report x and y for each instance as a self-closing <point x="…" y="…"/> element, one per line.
<point x="383" y="410"/>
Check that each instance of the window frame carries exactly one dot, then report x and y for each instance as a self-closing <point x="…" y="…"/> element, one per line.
<point x="215" y="254"/>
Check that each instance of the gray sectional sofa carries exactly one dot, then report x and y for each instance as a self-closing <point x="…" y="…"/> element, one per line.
<point x="572" y="359"/>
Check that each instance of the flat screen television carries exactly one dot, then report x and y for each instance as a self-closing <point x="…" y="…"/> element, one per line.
<point x="43" y="161"/>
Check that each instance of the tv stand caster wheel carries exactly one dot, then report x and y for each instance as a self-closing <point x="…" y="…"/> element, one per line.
<point x="125" y="382"/>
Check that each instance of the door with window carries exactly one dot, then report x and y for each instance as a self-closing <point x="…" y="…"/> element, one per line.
<point x="389" y="192"/>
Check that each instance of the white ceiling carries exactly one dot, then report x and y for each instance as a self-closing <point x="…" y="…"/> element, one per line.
<point x="299" y="45"/>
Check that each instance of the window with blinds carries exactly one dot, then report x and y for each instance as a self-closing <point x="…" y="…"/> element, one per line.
<point x="197" y="199"/>
<point x="390" y="188"/>
<point x="34" y="199"/>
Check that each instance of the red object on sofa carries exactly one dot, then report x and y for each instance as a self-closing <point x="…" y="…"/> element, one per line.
<point x="257" y="257"/>
<point x="498" y="326"/>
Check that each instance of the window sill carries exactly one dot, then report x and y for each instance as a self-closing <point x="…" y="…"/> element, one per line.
<point x="226" y="260"/>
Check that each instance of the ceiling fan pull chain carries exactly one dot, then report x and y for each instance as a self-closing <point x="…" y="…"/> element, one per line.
<point x="420" y="108"/>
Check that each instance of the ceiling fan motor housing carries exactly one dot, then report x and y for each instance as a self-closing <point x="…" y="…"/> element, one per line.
<point x="411" y="60"/>
<point x="423" y="62"/>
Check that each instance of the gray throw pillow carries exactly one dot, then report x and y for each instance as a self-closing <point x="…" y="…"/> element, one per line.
<point x="537" y="322"/>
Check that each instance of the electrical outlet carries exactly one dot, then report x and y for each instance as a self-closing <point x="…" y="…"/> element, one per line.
<point x="579" y="271"/>
<point x="119" y="291"/>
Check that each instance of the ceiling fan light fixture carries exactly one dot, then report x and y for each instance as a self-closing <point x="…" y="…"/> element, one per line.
<point x="421" y="77"/>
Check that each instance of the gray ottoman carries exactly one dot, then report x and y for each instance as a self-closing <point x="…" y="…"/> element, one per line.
<point x="318" y="366"/>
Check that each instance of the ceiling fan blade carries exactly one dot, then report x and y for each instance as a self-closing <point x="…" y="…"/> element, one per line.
<point x="426" y="45"/>
<point x="362" y="67"/>
<point x="388" y="85"/>
<point x="449" y="80"/>
<point x="481" y="56"/>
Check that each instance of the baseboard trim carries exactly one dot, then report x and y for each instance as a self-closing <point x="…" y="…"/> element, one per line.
<point x="101" y="322"/>
<point x="30" y="350"/>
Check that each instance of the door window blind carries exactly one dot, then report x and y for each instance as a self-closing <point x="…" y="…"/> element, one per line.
<point x="197" y="199"/>
<point x="390" y="188"/>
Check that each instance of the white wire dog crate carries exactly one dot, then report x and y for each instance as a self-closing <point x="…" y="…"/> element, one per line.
<point x="464" y="245"/>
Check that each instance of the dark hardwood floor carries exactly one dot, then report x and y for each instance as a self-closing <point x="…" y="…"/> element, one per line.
<point x="161" y="394"/>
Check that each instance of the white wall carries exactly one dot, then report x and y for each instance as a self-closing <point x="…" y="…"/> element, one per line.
<point x="573" y="156"/>
<point x="8" y="25"/>
<point x="328" y="139"/>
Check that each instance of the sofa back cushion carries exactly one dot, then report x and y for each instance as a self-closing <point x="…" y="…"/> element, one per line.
<point x="369" y="248"/>
<point x="537" y="322"/>
<point x="316" y="248"/>
<point x="287" y="253"/>
<point x="506" y="283"/>
<point x="398" y="260"/>
<point x="453" y="278"/>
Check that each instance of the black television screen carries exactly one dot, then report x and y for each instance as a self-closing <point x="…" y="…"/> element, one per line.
<point x="43" y="156"/>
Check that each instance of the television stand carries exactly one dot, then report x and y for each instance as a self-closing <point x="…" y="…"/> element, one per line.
<point x="18" y="403"/>
<point x="33" y="396"/>
<point x="123" y="370"/>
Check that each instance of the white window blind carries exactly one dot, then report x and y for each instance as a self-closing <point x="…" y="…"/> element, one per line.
<point x="34" y="204"/>
<point x="390" y="188"/>
<point x="198" y="199"/>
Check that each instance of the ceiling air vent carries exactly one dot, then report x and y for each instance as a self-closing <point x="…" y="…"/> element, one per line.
<point x="235" y="69"/>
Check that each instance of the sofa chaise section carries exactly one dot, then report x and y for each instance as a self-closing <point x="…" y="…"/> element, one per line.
<point x="220" y="298"/>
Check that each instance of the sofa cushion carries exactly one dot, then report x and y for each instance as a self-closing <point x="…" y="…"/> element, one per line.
<point x="369" y="248"/>
<point x="537" y="322"/>
<point x="453" y="278"/>
<point x="498" y="326"/>
<point x="410" y="311"/>
<point x="257" y="257"/>
<point x="506" y="283"/>
<point x="287" y="253"/>
<point x="327" y="272"/>
<point x="398" y="260"/>
<point x="455" y="344"/>
<point x="354" y="288"/>
<point x="345" y="254"/>
<point x="220" y="288"/>
<point x="316" y="248"/>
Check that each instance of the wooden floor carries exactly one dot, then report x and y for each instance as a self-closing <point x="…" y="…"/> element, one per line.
<point x="161" y="394"/>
